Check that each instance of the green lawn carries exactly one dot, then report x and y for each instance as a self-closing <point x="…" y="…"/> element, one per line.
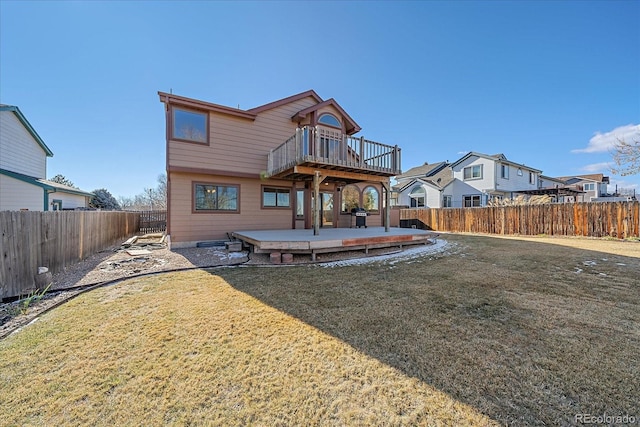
<point x="525" y="332"/>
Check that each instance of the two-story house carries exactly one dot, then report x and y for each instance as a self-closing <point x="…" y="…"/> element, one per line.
<point x="426" y="185"/>
<point x="482" y="177"/>
<point x="470" y="181"/>
<point x="592" y="186"/>
<point x="290" y="164"/>
<point x="23" y="167"/>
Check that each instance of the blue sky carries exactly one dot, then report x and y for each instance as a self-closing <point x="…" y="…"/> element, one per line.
<point x="548" y="83"/>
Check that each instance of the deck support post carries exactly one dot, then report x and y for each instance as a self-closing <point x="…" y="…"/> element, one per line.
<point x="387" y="202"/>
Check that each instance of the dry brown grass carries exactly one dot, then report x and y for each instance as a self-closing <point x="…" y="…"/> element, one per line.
<point x="525" y="332"/>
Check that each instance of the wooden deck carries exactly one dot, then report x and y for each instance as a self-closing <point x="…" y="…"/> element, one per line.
<point x="331" y="240"/>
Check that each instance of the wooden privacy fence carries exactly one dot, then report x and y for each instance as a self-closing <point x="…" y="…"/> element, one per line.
<point x="54" y="240"/>
<point x="615" y="219"/>
<point x="153" y="221"/>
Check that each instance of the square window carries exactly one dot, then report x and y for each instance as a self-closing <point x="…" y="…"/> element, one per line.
<point x="471" y="201"/>
<point x="276" y="197"/>
<point x="189" y="126"/>
<point x="473" y="172"/>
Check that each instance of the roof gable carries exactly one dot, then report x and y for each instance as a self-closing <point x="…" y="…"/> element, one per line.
<point x="351" y="126"/>
<point x="16" y="111"/>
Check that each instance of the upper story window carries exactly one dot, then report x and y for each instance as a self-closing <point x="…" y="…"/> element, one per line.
<point x="532" y="178"/>
<point x="329" y="119"/>
<point x="473" y="172"/>
<point x="504" y="171"/>
<point x="589" y="187"/>
<point x="189" y="125"/>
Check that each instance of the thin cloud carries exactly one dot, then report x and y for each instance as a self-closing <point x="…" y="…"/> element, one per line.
<point x="597" y="167"/>
<point x="603" y="142"/>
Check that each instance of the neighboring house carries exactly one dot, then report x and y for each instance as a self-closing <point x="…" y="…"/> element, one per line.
<point x="23" y="168"/>
<point x="425" y="186"/>
<point x="264" y="168"/>
<point x="471" y="181"/>
<point x="592" y="186"/>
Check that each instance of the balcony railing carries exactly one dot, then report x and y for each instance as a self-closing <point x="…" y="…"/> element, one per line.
<point x="323" y="146"/>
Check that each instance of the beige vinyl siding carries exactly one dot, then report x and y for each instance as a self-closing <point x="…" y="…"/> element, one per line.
<point x="20" y="152"/>
<point x="239" y="145"/>
<point x="16" y="195"/>
<point x="187" y="228"/>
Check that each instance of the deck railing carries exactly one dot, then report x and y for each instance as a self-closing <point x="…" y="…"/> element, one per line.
<point x="325" y="146"/>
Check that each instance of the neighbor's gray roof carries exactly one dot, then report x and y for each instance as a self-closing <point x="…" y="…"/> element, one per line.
<point x="421" y="171"/>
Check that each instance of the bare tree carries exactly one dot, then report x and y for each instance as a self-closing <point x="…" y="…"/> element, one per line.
<point x="626" y="156"/>
<point x="150" y="198"/>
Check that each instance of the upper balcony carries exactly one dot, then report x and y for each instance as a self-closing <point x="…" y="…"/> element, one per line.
<point x="334" y="153"/>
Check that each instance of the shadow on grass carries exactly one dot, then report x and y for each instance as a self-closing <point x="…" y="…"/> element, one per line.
<point x="527" y="333"/>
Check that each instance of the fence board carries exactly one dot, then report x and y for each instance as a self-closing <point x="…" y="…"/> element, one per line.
<point x="54" y="239"/>
<point x="589" y="219"/>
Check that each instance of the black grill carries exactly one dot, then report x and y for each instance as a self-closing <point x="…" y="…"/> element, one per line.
<point x="361" y="217"/>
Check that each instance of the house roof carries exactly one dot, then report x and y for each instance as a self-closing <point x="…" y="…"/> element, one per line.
<point x="439" y="179"/>
<point x="285" y="101"/>
<point x="425" y="170"/>
<point x="251" y="114"/>
<point x="169" y="98"/>
<point x="497" y="158"/>
<point x="44" y="183"/>
<point x="596" y="177"/>
<point x="16" y="111"/>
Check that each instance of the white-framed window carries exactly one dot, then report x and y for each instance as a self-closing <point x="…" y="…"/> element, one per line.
<point x="447" y="202"/>
<point x="589" y="187"/>
<point x="472" y="172"/>
<point x="418" y="197"/>
<point x="519" y="172"/>
<point x="532" y="178"/>
<point x="276" y="197"/>
<point x="189" y="125"/>
<point x="215" y="197"/>
<point x="504" y="171"/>
<point x="472" y="201"/>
